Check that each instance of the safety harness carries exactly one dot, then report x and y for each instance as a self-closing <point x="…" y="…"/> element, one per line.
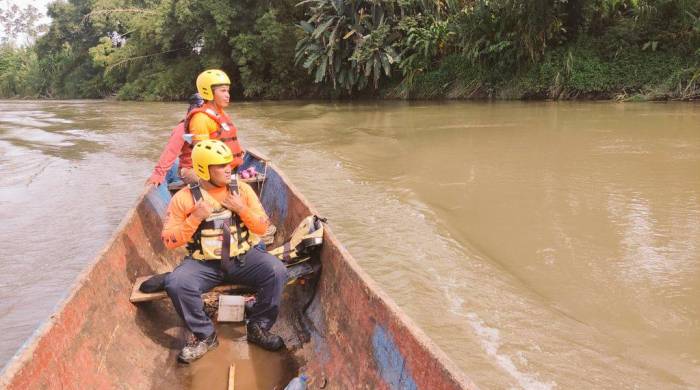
<point x="212" y="239"/>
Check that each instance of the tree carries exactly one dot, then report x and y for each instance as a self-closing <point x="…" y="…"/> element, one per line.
<point x="348" y="43"/>
<point x="19" y="22"/>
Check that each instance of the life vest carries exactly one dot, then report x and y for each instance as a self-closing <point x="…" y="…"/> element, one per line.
<point x="208" y="242"/>
<point x="306" y="238"/>
<point x="226" y="132"/>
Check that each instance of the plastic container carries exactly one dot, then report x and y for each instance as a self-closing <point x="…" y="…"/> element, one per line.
<point x="231" y="308"/>
<point x="298" y="383"/>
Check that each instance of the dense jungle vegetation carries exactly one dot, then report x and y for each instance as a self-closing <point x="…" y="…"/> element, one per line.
<point x="277" y="49"/>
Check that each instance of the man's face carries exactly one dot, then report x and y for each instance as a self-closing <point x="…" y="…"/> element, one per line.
<point x="220" y="175"/>
<point x="221" y="95"/>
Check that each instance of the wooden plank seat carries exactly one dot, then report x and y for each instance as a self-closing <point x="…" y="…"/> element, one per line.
<point x="138" y="296"/>
<point x="297" y="270"/>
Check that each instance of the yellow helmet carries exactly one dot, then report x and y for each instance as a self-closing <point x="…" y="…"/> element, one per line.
<point x="209" y="79"/>
<point x="209" y="152"/>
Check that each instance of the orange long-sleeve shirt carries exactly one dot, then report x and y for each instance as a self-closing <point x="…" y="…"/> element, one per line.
<point x="169" y="154"/>
<point x="180" y="224"/>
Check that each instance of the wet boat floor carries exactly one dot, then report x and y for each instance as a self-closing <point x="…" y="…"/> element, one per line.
<point x="256" y="368"/>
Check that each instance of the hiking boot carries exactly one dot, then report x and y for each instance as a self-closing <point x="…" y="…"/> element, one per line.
<point x="263" y="338"/>
<point x="248" y="307"/>
<point x="197" y="348"/>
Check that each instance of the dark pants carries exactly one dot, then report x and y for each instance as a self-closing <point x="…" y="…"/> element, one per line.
<point x="191" y="278"/>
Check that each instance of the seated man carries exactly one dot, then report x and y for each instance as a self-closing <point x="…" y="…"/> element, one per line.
<point x="206" y="119"/>
<point x="210" y="121"/>
<point x="220" y="220"/>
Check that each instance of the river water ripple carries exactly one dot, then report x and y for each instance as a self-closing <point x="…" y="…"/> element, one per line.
<point x="541" y="245"/>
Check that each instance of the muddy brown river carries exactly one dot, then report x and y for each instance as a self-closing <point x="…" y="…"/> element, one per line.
<point x="541" y="245"/>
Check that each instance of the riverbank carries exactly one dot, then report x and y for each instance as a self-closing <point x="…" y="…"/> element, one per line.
<point x="576" y="72"/>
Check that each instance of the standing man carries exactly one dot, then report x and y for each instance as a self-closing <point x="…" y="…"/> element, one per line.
<point x="220" y="220"/>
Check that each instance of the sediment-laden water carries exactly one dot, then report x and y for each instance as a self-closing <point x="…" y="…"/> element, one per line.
<point x="541" y="245"/>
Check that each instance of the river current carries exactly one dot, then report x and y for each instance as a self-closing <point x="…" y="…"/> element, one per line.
<point x="541" y="245"/>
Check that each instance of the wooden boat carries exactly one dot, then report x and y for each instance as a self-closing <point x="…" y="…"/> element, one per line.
<point x="342" y="328"/>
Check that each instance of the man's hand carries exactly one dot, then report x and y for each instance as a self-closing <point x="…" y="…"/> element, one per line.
<point x="154" y="180"/>
<point x="234" y="203"/>
<point x="188" y="176"/>
<point x="202" y="209"/>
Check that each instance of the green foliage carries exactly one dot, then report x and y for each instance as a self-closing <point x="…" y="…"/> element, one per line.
<point x="154" y="49"/>
<point x="16" y="66"/>
<point x="509" y="33"/>
<point x="348" y="43"/>
<point x="577" y="70"/>
<point x="428" y="40"/>
<point x="265" y="58"/>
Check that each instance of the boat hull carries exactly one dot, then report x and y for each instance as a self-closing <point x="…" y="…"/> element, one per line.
<point x="341" y="327"/>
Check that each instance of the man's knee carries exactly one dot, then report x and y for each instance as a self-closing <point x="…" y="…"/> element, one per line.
<point x="280" y="272"/>
<point x="275" y="268"/>
<point x="177" y="282"/>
